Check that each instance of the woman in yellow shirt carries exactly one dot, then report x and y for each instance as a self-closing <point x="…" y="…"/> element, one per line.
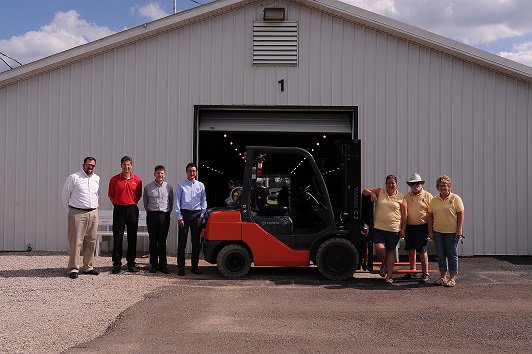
<point x="389" y="223"/>
<point x="445" y="219"/>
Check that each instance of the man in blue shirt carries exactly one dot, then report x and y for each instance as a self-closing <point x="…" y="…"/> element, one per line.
<point x="190" y="207"/>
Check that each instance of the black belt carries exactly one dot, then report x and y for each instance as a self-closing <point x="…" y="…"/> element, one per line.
<point x="81" y="208"/>
<point x="190" y="211"/>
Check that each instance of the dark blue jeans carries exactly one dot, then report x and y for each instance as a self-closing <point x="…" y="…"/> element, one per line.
<point x="447" y="249"/>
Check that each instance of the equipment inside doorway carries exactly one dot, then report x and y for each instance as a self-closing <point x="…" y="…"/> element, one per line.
<point x="221" y="161"/>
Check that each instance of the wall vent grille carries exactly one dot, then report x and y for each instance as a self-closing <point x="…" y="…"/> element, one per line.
<point x="275" y="42"/>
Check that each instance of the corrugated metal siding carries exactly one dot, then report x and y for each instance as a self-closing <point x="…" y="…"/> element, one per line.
<point x="420" y="110"/>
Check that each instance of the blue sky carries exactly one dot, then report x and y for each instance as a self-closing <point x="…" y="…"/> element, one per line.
<point x="33" y="29"/>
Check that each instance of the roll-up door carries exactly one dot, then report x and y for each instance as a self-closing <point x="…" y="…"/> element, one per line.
<point x="277" y="121"/>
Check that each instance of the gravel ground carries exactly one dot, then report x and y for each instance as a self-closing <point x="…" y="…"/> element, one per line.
<point x="44" y="311"/>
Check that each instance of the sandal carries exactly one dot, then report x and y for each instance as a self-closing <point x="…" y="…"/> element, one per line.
<point x="440" y="281"/>
<point x="388" y="280"/>
<point x="450" y="283"/>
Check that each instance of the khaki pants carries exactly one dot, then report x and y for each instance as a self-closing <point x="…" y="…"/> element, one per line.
<point x="82" y="227"/>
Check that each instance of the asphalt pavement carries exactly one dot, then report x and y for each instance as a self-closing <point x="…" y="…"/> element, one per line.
<point x="295" y="310"/>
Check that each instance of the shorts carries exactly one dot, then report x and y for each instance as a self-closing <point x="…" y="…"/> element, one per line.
<point x="417" y="237"/>
<point x="390" y="239"/>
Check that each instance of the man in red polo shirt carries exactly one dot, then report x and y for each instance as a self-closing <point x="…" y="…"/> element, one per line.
<point x="125" y="191"/>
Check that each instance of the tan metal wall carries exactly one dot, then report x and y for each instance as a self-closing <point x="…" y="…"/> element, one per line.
<point x="420" y="110"/>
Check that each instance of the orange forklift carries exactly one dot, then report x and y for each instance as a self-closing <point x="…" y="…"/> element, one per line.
<point x="299" y="229"/>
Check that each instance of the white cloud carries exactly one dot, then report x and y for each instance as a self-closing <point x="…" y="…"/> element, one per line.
<point x="469" y="21"/>
<point x="522" y="53"/>
<point x="67" y="30"/>
<point x="152" y="11"/>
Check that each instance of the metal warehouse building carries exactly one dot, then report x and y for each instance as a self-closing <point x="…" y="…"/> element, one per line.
<point x="165" y="92"/>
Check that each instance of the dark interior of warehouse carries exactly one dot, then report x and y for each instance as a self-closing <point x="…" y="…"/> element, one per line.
<point x="220" y="159"/>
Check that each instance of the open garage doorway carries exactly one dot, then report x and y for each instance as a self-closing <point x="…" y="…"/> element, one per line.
<point x="224" y="132"/>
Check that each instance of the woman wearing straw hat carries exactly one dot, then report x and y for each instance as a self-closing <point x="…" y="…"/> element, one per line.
<point x="389" y="223"/>
<point x="417" y="231"/>
<point x="446" y="217"/>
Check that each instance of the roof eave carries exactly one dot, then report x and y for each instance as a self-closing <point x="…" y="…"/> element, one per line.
<point x="120" y="39"/>
<point x="333" y="7"/>
<point x="423" y="37"/>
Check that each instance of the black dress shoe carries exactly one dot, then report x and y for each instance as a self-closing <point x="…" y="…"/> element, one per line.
<point x="153" y="269"/>
<point x="195" y="271"/>
<point x="116" y="269"/>
<point x="181" y="272"/>
<point x="73" y="275"/>
<point x="164" y="270"/>
<point x="132" y="269"/>
<point x="91" y="272"/>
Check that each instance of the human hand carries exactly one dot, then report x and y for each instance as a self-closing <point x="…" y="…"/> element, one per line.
<point x="200" y="221"/>
<point x="431" y="236"/>
<point x="373" y="197"/>
<point x="180" y="223"/>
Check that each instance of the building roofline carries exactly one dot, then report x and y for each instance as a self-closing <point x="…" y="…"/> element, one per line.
<point x="120" y="39"/>
<point x="333" y="7"/>
<point x="424" y="38"/>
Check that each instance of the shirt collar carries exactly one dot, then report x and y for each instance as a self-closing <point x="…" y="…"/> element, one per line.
<point x="448" y="197"/>
<point x="124" y="177"/>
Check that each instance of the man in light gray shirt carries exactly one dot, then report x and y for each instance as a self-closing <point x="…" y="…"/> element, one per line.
<point x="80" y="198"/>
<point x="158" y="202"/>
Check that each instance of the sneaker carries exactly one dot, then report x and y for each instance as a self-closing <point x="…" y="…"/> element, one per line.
<point x="73" y="275"/>
<point x="388" y="280"/>
<point x="409" y="276"/>
<point x="440" y="281"/>
<point x="116" y="269"/>
<point x="424" y="278"/>
<point x="450" y="283"/>
<point x="382" y="271"/>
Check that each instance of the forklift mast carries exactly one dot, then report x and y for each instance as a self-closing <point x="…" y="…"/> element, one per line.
<point x="351" y="190"/>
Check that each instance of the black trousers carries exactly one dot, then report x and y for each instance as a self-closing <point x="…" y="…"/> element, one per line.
<point x="158" y="223"/>
<point x="190" y="219"/>
<point x="125" y="215"/>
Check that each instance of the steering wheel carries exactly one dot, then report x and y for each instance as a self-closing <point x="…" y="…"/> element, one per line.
<point x="236" y="193"/>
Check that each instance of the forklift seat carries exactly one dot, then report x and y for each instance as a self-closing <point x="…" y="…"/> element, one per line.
<point x="273" y="210"/>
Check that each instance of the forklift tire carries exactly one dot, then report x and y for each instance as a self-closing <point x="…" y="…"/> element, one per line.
<point x="233" y="261"/>
<point x="337" y="259"/>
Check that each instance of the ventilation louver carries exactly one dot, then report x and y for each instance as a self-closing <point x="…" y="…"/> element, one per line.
<point x="275" y="42"/>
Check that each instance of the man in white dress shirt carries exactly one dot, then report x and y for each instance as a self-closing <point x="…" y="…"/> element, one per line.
<point x="80" y="198"/>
